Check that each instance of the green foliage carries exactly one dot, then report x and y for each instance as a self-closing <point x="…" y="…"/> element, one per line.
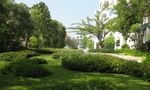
<point x="103" y="50"/>
<point x="146" y="69"/>
<point x="94" y="25"/>
<point x="125" y="46"/>
<point x="133" y="52"/>
<point x="25" y="68"/>
<point x="57" y="55"/>
<point x="48" y="32"/>
<point x="135" y="27"/>
<point x="16" y="27"/>
<point x="87" y="43"/>
<point x="37" y="60"/>
<point x="19" y="28"/>
<point x="71" y="42"/>
<point x="109" y="42"/>
<point x="133" y="68"/>
<point x="33" y="41"/>
<point x="14" y="56"/>
<point x="82" y="85"/>
<point x="44" y="50"/>
<point x="101" y="63"/>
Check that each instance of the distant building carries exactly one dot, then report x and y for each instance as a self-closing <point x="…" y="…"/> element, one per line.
<point x="108" y="14"/>
<point x="78" y="35"/>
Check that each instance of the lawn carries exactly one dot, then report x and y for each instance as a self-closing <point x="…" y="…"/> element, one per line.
<point x="60" y="75"/>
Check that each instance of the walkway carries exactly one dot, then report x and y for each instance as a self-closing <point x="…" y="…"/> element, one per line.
<point x="126" y="57"/>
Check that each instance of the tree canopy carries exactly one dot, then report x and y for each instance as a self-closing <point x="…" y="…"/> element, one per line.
<point x="19" y="23"/>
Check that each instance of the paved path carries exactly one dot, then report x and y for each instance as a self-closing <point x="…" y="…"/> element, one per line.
<point x="126" y="57"/>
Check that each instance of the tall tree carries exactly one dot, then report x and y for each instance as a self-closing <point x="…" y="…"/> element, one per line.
<point x="49" y="32"/>
<point x="95" y="26"/>
<point x="130" y="18"/>
<point x="15" y="27"/>
<point x="41" y="18"/>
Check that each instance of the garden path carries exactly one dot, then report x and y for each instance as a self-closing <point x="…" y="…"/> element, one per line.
<point x="126" y="57"/>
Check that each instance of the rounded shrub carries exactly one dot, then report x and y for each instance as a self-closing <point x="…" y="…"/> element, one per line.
<point x="44" y="50"/>
<point x="85" y="85"/>
<point x="25" y="68"/>
<point x="56" y="55"/>
<point x="133" y="68"/>
<point x="37" y="60"/>
<point x="17" y="55"/>
<point x="101" y="63"/>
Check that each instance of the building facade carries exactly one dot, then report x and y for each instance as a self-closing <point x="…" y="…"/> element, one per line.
<point x="108" y="14"/>
<point x="78" y="36"/>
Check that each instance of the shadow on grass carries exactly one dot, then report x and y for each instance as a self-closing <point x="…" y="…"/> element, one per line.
<point x="61" y="75"/>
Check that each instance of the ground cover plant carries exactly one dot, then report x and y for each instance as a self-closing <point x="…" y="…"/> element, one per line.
<point x="63" y="79"/>
<point x="102" y="63"/>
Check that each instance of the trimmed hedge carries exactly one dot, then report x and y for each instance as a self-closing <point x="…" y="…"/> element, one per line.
<point x="17" y="55"/>
<point x="103" y="50"/>
<point x="25" y="68"/>
<point x="133" y="52"/>
<point x="37" y="60"/>
<point x="82" y="85"/>
<point x="100" y="63"/>
<point x="44" y="50"/>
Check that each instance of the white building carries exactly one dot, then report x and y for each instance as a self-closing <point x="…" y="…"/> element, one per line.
<point x="108" y="14"/>
<point x="78" y="35"/>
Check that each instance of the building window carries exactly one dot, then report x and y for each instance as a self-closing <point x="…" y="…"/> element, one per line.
<point x="118" y="43"/>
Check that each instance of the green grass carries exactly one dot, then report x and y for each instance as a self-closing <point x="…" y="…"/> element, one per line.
<point x="60" y="75"/>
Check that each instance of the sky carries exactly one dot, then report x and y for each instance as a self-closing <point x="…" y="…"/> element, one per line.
<point x="68" y="11"/>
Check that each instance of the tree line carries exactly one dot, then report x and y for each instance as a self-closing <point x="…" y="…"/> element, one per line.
<point x="24" y="27"/>
<point x="129" y="19"/>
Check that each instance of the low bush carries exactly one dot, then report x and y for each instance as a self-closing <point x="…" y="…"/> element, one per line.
<point x="31" y="54"/>
<point x="16" y="55"/>
<point x="133" y="52"/>
<point x="133" y="68"/>
<point x="103" y="50"/>
<point x="100" y="63"/>
<point x="44" y="50"/>
<point x="146" y="69"/>
<point x="25" y="68"/>
<point x="82" y="85"/>
<point x="38" y="60"/>
<point x="56" y="55"/>
<point x="67" y="52"/>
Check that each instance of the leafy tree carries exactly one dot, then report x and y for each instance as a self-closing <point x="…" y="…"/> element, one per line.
<point x="49" y="32"/>
<point x="57" y="36"/>
<point x="95" y="26"/>
<point x="109" y="42"/>
<point x="71" y="42"/>
<point x="16" y="26"/>
<point x="41" y="18"/>
<point x="130" y="18"/>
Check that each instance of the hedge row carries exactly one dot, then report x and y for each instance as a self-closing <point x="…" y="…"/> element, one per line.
<point x="17" y="55"/>
<point x="103" y="63"/>
<point x="21" y="64"/>
<point x="83" y="85"/>
<point x="25" y="68"/>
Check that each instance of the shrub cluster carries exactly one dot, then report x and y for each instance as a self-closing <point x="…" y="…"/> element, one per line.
<point x="17" y="55"/>
<point x="44" y="50"/>
<point x="25" y="68"/>
<point x="66" y="52"/>
<point x="101" y="63"/>
<point x="133" y="52"/>
<point x="103" y="50"/>
<point x="82" y="85"/>
<point x="37" y="60"/>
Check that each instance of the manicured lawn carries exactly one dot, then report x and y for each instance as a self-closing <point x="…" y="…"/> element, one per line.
<point x="60" y="75"/>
